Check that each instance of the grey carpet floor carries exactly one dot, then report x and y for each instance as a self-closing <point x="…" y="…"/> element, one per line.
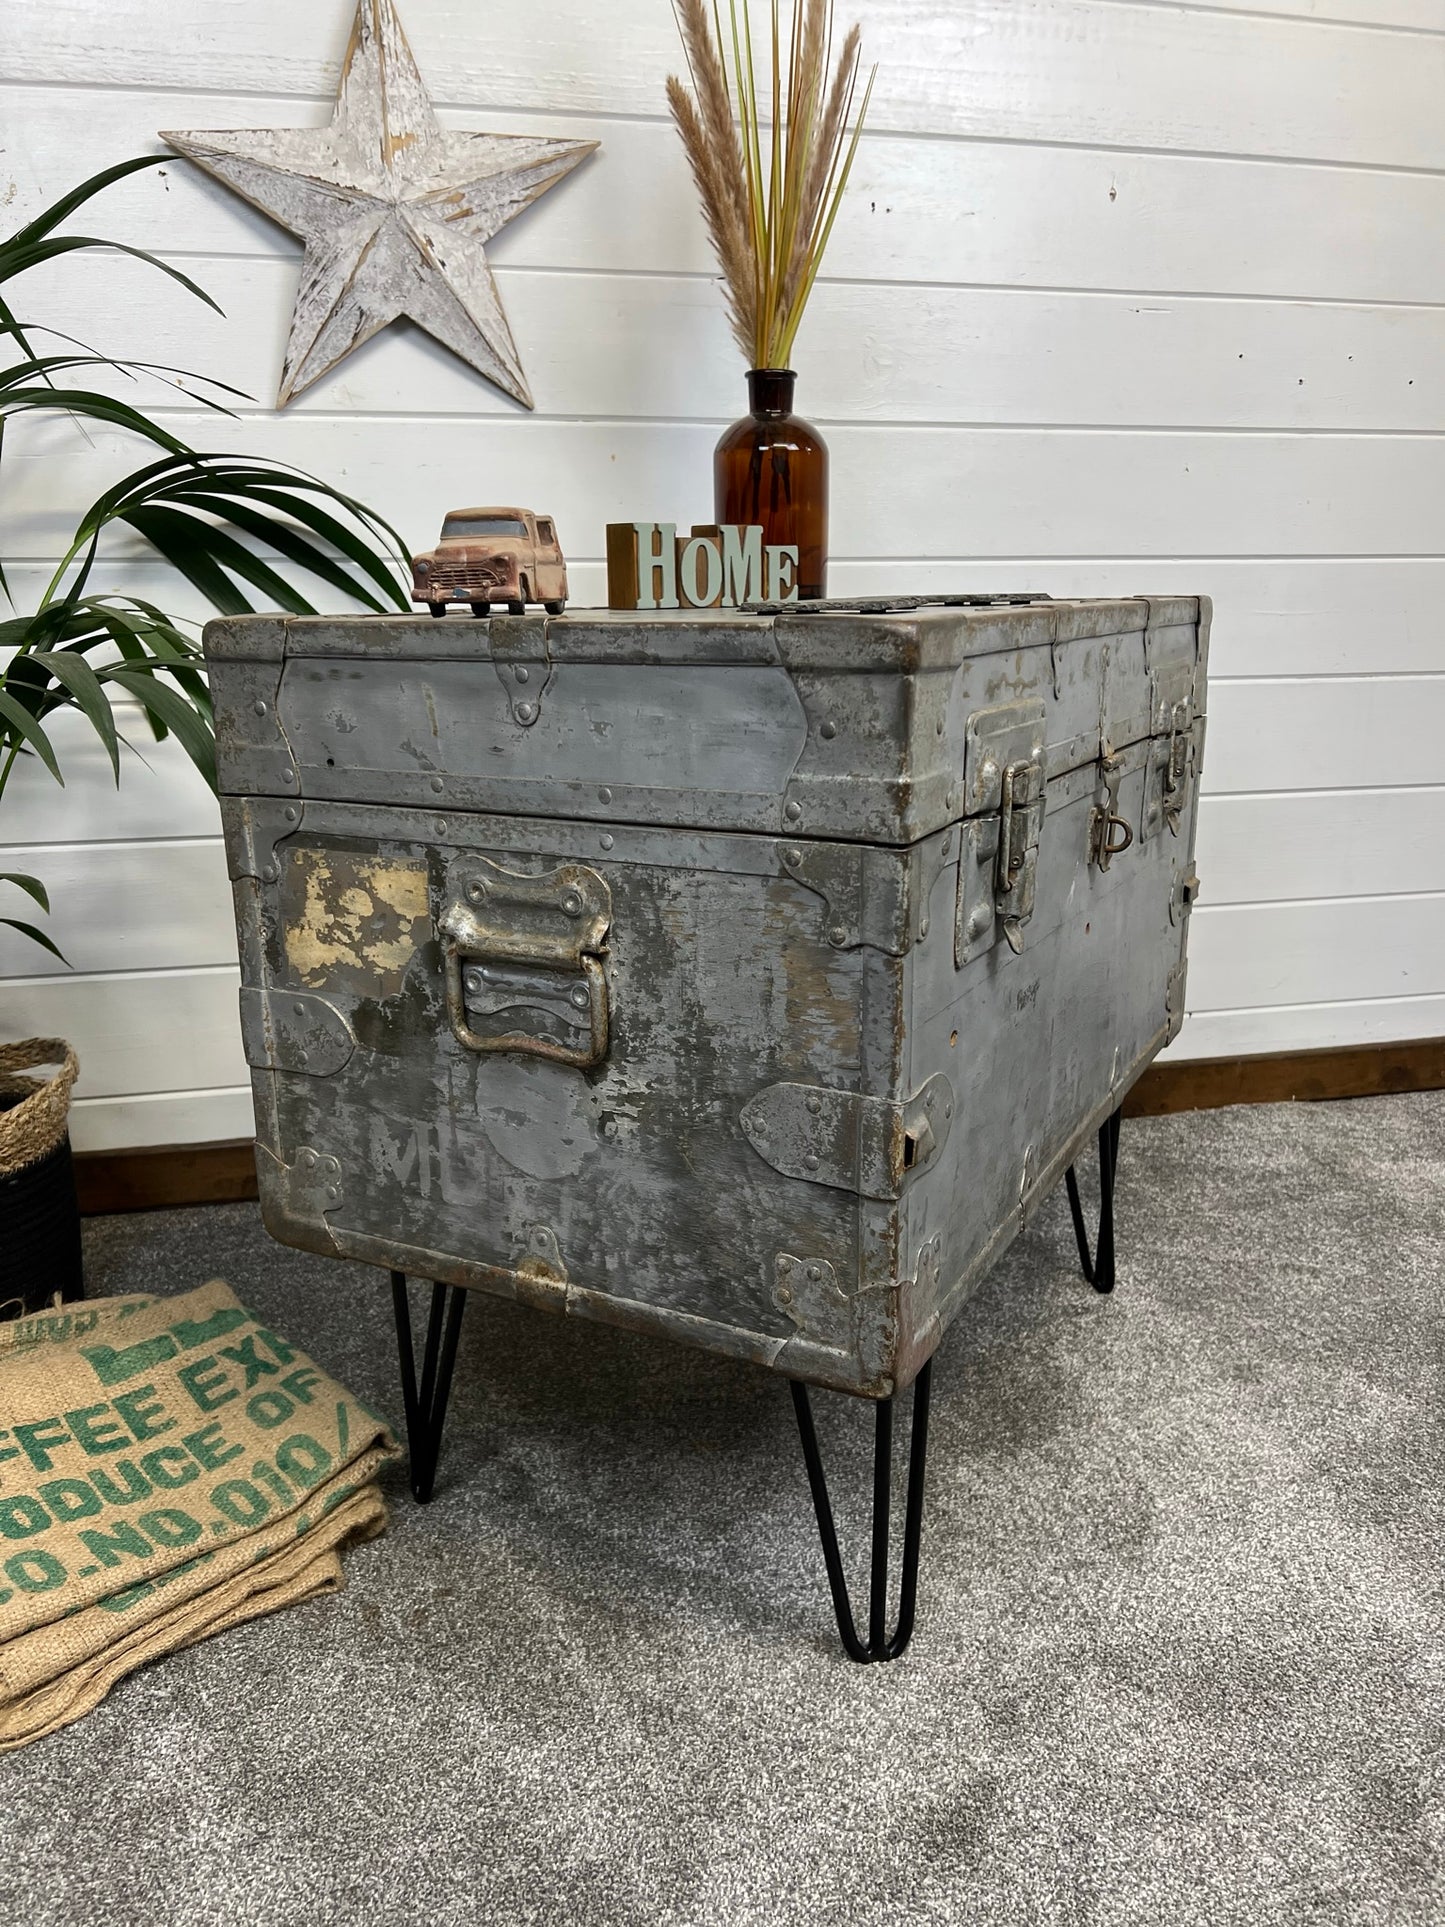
<point x="1181" y="1654"/>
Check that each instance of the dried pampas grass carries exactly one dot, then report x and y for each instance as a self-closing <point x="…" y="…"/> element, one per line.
<point x="768" y="223"/>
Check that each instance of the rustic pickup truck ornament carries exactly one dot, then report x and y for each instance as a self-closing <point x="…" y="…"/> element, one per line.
<point x="504" y="555"/>
<point x="651" y="566"/>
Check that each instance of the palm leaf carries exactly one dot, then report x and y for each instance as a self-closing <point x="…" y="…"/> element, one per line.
<point x="222" y="522"/>
<point x="295" y="547"/>
<point x="32" y="886"/>
<point x="168" y="706"/>
<point x="45" y="367"/>
<point x="50" y="218"/>
<point x="207" y="556"/>
<point x="25" y="726"/>
<point x="16" y="259"/>
<point x="35" y="936"/>
<point x="381" y="571"/>
<point x="76" y="674"/>
<point x="95" y="407"/>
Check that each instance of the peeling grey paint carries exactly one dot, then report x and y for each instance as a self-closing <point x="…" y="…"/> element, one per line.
<point x="782" y="922"/>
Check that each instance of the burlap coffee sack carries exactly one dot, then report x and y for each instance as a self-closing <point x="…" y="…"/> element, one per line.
<point x="309" y="1566"/>
<point x="130" y="1450"/>
<point x="32" y="1659"/>
<point x="62" y="1322"/>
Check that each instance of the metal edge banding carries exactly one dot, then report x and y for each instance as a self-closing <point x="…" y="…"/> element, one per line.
<point x="252" y="827"/>
<point x="294" y="1030"/>
<point x="245" y="638"/>
<point x="604" y="841"/>
<point x="819" y="1364"/>
<point x="930" y="635"/>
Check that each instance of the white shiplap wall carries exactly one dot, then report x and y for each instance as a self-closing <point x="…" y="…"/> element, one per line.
<point x="1128" y="295"/>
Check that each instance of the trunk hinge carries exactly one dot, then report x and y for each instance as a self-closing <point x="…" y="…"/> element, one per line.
<point x="522" y="657"/>
<point x="870" y="1145"/>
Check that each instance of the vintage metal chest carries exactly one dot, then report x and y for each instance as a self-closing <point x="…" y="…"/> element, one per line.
<point x="745" y="978"/>
<point x="742" y="978"/>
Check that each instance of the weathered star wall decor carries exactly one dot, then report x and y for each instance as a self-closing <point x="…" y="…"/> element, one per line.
<point x="395" y="212"/>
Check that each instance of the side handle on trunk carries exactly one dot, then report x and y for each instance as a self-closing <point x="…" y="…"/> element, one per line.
<point x="523" y="960"/>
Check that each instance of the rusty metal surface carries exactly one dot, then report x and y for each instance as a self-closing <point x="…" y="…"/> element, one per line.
<point x="743" y="992"/>
<point x="846" y="728"/>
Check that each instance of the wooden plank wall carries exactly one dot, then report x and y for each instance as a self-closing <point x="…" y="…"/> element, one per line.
<point x="1126" y="297"/>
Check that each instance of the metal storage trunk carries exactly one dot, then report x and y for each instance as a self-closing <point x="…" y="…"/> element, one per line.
<point x="746" y="978"/>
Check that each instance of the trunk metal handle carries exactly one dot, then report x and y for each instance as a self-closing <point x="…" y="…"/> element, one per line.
<point x="557" y="922"/>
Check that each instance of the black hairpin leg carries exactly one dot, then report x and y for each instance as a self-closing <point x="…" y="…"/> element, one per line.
<point x="1098" y="1268"/>
<point x="426" y="1398"/>
<point x="878" y="1645"/>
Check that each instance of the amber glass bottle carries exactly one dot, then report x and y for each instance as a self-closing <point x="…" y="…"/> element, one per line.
<point x="771" y="468"/>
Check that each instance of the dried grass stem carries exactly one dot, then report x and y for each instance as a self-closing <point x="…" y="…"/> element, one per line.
<point x="770" y="182"/>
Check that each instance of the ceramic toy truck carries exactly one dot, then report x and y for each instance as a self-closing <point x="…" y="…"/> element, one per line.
<point x="492" y="555"/>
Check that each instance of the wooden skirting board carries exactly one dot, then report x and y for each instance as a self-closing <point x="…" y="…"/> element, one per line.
<point x="226" y="1173"/>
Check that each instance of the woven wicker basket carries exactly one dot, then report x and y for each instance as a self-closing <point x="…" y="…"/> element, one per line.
<point x="39" y="1217"/>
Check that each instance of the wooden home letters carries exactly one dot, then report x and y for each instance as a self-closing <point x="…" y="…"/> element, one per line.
<point x="651" y="566"/>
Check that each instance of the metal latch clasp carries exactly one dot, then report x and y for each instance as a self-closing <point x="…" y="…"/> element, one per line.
<point x="1005" y="797"/>
<point x="1176" y="768"/>
<point x="1021" y="822"/>
<point x="1109" y="834"/>
<point x="534" y="944"/>
<point x="1171" y="751"/>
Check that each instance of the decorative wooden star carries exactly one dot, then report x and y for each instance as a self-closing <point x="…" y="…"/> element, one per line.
<point x="394" y="211"/>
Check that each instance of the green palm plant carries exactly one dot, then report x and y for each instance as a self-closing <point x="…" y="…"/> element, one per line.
<point x="212" y="518"/>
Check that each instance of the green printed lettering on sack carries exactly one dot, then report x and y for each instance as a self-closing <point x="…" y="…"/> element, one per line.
<point x="39" y="1439"/>
<point x="202" y="1379"/>
<point x="168" y="1526"/>
<point x="121" y="1602"/>
<point x="22" y="1517"/>
<point x="276" y="1346"/>
<point x="209" y="1449"/>
<point x="250" y="1360"/>
<point x="122" y="1538"/>
<point x="113" y="1365"/>
<point x="190" y="1332"/>
<point x="95" y="1437"/>
<point x="269" y="1409"/>
<point x="123" y="1482"/>
<point x="242" y="1502"/>
<point x="35" y="1571"/>
<point x="302" y="1458"/>
<point x="157" y="1466"/>
<point x="299" y="1383"/>
<point x="70" y="1499"/>
<point x="24" y="1334"/>
<point x="268" y="1476"/>
<point x="139" y="1410"/>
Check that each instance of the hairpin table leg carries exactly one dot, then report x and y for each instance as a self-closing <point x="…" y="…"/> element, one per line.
<point x="426" y="1398"/>
<point x="879" y="1645"/>
<point x="1099" y="1267"/>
